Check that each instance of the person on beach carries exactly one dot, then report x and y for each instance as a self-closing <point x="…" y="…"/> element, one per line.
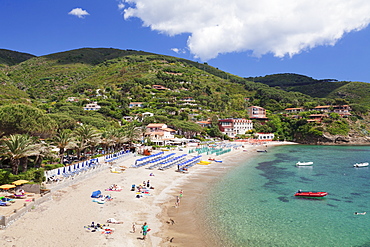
<point x="148" y="184"/>
<point x="133" y="227"/>
<point x="145" y="230"/>
<point x="177" y="203"/>
<point x="181" y="193"/>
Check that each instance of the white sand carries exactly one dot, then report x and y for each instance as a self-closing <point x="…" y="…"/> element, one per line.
<point x="61" y="221"/>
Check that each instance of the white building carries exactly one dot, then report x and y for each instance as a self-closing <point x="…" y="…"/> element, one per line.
<point x="235" y="126"/>
<point x="92" y="107"/>
<point x="159" y="133"/>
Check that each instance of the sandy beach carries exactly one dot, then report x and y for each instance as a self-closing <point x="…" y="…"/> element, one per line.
<point x="63" y="220"/>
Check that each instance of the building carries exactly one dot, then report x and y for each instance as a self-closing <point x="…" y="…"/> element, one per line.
<point x="257" y="112"/>
<point x="265" y="136"/>
<point x="72" y="99"/>
<point x="205" y="124"/>
<point x="342" y="110"/>
<point x="235" y="126"/>
<point x="92" y="107"/>
<point x="159" y="87"/>
<point x="317" y="117"/>
<point x="294" y="110"/>
<point x="136" y="104"/>
<point x="159" y="133"/>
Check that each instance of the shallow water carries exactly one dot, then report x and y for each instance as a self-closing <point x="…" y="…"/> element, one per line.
<point x="254" y="204"/>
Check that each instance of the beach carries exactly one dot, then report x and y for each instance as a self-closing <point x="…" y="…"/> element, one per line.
<point x="64" y="219"/>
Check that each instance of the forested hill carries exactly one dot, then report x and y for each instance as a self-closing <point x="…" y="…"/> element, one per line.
<point x="8" y="57"/>
<point x="129" y="75"/>
<point x="176" y="91"/>
<point x="355" y="92"/>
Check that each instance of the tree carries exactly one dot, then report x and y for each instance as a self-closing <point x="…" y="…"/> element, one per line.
<point x="86" y="136"/>
<point x="25" y="119"/>
<point x="63" y="139"/>
<point x="16" y="147"/>
<point x="132" y="132"/>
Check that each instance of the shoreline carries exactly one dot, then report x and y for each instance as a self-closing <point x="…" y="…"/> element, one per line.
<point x="190" y="226"/>
<point x="63" y="218"/>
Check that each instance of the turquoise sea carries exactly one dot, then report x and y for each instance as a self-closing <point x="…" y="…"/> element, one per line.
<point x="254" y="203"/>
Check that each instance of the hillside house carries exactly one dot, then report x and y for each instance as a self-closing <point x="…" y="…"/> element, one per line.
<point x="342" y="110"/>
<point x="72" y="99"/>
<point x="265" y="136"/>
<point x="294" y="110"/>
<point x="257" y="112"/>
<point x="205" y="124"/>
<point x="159" y="133"/>
<point x="234" y="126"/>
<point x="317" y="118"/>
<point x="159" y="87"/>
<point x="136" y="104"/>
<point x="92" y="107"/>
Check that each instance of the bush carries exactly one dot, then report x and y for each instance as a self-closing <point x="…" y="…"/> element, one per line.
<point x="52" y="166"/>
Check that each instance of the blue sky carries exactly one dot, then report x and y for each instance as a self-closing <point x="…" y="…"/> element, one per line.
<point x="321" y="39"/>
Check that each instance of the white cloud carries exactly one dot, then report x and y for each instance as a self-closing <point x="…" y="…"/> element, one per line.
<point x="80" y="13"/>
<point x="121" y="6"/>
<point x="281" y="27"/>
<point x="178" y="50"/>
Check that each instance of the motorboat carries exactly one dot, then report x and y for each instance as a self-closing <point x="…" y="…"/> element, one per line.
<point x="361" y="164"/>
<point x="310" y="163"/>
<point x="356" y="213"/>
<point x="310" y="194"/>
<point x="262" y="151"/>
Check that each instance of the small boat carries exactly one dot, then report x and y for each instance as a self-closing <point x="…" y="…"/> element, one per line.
<point x="310" y="163"/>
<point x="365" y="164"/>
<point x="360" y="213"/>
<point x="310" y="194"/>
<point x="262" y="151"/>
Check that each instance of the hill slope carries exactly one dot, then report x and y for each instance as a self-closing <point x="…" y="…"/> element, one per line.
<point x="353" y="92"/>
<point x="10" y="58"/>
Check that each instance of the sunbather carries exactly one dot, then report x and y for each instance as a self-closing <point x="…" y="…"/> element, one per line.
<point x="114" y="221"/>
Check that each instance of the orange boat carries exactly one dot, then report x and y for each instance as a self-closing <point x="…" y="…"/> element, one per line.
<point x="310" y="194"/>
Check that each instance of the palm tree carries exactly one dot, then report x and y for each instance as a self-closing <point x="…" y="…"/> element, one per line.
<point x="107" y="139"/>
<point x="132" y="132"/>
<point x="16" y="147"/>
<point x="63" y="139"/>
<point x="86" y="135"/>
<point x="44" y="150"/>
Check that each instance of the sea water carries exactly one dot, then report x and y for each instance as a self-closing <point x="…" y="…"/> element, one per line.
<point x="254" y="204"/>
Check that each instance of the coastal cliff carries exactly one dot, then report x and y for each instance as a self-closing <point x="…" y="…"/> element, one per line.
<point x="357" y="135"/>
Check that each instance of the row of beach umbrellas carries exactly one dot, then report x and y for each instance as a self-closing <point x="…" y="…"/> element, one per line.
<point x="13" y="185"/>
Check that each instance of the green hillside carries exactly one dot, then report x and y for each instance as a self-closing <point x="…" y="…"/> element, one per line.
<point x="113" y="78"/>
<point x="8" y="57"/>
<point x="353" y="92"/>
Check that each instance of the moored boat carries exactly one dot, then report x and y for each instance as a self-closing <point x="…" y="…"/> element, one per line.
<point x="361" y="164"/>
<point x="310" y="193"/>
<point x="310" y="163"/>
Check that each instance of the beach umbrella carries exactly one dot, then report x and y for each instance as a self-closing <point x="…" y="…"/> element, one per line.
<point x="7" y="186"/>
<point x="59" y="171"/>
<point x="20" y="182"/>
<point x="64" y="169"/>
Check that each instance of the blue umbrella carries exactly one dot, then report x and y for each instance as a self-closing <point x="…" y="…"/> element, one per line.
<point x="58" y="171"/>
<point x="64" y="169"/>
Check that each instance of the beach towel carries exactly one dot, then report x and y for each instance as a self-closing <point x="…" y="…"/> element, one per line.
<point x="96" y="194"/>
